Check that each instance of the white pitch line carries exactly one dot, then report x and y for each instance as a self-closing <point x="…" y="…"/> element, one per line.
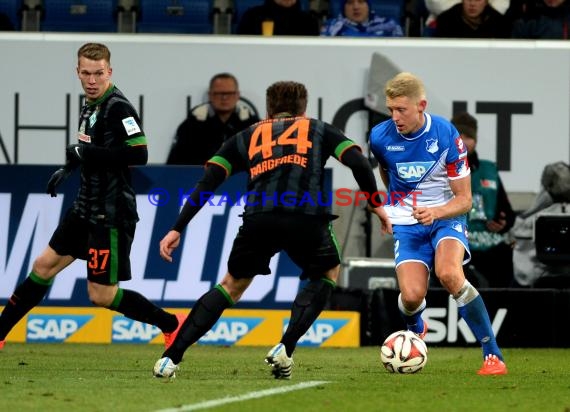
<point x="244" y="397"/>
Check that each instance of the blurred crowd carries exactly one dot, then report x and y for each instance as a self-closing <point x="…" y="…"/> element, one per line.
<point x="500" y="19"/>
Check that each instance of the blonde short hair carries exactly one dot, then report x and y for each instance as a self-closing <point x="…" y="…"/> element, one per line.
<point x="405" y="84"/>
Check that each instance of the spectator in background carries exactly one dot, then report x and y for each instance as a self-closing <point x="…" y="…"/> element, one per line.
<point x="548" y="19"/>
<point x="210" y="124"/>
<point x="472" y="19"/>
<point x="5" y="23"/>
<point x="436" y="7"/>
<point x="357" y="20"/>
<point x="491" y="216"/>
<point x="287" y="17"/>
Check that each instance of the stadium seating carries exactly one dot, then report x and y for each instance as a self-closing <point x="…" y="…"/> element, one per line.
<point x="12" y="9"/>
<point x="127" y="13"/>
<point x="31" y="15"/>
<point x="176" y="16"/>
<point x="79" y="15"/>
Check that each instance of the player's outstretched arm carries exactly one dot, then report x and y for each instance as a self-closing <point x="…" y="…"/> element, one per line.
<point x="168" y="244"/>
<point x="361" y="170"/>
<point x="364" y="176"/>
<point x="213" y="177"/>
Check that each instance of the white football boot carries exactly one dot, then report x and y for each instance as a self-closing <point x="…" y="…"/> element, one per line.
<point x="280" y="363"/>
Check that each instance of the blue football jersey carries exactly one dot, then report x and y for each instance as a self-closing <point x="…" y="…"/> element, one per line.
<point x="419" y="165"/>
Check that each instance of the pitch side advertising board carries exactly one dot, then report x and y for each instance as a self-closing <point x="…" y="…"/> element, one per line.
<point x="510" y="312"/>
<point x="239" y="327"/>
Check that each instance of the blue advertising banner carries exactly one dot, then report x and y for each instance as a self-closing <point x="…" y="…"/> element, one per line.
<point x="28" y="218"/>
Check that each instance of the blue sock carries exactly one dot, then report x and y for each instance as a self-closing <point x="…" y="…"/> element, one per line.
<point x="472" y="309"/>
<point x="413" y="319"/>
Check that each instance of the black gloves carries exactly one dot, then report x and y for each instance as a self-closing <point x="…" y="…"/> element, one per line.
<point x="59" y="176"/>
<point x="73" y="156"/>
<point x="73" y="159"/>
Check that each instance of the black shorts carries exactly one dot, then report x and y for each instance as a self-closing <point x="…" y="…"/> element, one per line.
<point x="106" y="249"/>
<point x="308" y="240"/>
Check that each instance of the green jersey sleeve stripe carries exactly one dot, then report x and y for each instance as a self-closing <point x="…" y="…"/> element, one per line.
<point x="220" y="161"/>
<point x="137" y="141"/>
<point x="341" y="148"/>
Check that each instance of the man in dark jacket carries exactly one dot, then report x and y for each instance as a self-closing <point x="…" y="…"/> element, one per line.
<point x="287" y="16"/>
<point x="210" y="124"/>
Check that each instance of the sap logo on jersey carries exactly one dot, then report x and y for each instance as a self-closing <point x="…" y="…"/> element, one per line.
<point x="54" y="328"/>
<point x="320" y="331"/>
<point x="227" y="331"/>
<point x="126" y="330"/>
<point x="413" y="171"/>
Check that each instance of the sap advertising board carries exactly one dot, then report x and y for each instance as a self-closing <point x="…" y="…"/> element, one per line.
<point x="28" y="217"/>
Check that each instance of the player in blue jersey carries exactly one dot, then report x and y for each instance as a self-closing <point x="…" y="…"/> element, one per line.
<point x="422" y="157"/>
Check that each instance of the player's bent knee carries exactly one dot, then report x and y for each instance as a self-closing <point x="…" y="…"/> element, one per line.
<point x="333" y="274"/>
<point x="48" y="264"/>
<point x="411" y="303"/>
<point x="412" y="295"/>
<point x="100" y="301"/>
<point x="235" y="287"/>
<point x="101" y="295"/>
<point x="43" y="271"/>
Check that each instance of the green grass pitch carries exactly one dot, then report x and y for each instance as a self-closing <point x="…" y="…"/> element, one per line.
<point x="84" y="377"/>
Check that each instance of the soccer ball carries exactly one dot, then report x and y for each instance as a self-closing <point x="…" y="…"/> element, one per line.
<point x="165" y="368"/>
<point x="403" y="352"/>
